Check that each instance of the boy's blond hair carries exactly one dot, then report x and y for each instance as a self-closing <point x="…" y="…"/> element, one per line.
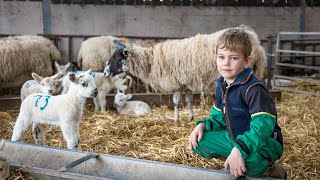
<point x="235" y="39"/>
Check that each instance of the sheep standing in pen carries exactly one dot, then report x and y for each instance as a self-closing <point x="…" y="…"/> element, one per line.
<point x="187" y="64"/>
<point x="22" y="55"/>
<point x="104" y="85"/>
<point x="135" y="108"/>
<point x="64" y="110"/>
<point x="4" y="164"/>
<point x="95" y="51"/>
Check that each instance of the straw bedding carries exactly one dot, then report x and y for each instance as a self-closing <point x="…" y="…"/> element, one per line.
<point x="156" y="137"/>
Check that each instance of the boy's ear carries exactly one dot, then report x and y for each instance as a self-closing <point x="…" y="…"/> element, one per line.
<point x="249" y="62"/>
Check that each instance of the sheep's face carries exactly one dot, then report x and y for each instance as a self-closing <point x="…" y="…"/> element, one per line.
<point x="49" y="85"/>
<point x="120" y="100"/>
<point x="62" y="70"/>
<point x="4" y="168"/>
<point x="85" y="84"/>
<point x="118" y="63"/>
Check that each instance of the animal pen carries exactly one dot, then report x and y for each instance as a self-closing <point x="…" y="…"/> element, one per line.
<point x="297" y="58"/>
<point x="154" y="147"/>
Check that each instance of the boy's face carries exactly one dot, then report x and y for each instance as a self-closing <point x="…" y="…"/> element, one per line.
<point x="231" y="63"/>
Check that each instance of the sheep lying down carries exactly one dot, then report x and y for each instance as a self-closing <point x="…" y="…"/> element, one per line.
<point x="4" y="163"/>
<point x="135" y="108"/>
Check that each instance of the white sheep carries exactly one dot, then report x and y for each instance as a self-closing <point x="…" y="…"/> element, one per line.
<point x="64" y="110"/>
<point x="49" y="85"/>
<point x="4" y="164"/>
<point x="22" y="55"/>
<point x="187" y="64"/>
<point x="135" y="108"/>
<point x="104" y="85"/>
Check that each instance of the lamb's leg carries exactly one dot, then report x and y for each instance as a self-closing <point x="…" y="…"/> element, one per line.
<point x="147" y="88"/>
<point x="189" y="100"/>
<point x="71" y="135"/>
<point x="39" y="133"/>
<point x="102" y="102"/>
<point x="176" y="104"/>
<point x="21" y="126"/>
<point x="96" y="104"/>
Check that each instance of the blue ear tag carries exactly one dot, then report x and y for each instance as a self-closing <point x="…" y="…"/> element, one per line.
<point x="38" y="98"/>
<point x="119" y="44"/>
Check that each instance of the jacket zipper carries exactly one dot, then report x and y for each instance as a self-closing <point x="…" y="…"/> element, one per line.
<point x="224" y="95"/>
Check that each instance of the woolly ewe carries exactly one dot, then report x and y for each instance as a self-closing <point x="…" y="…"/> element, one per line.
<point x="186" y="64"/>
<point x="22" y="55"/>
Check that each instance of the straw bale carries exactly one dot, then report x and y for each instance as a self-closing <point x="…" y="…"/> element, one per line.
<point x="154" y="137"/>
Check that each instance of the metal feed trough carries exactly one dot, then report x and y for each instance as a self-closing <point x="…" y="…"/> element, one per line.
<point x="43" y="162"/>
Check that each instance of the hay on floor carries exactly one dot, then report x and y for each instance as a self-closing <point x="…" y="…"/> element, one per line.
<point x="156" y="137"/>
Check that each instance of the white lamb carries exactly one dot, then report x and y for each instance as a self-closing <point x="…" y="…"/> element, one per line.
<point x="64" y="110"/>
<point x="49" y="85"/>
<point x="104" y="85"/>
<point x="136" y="108"/>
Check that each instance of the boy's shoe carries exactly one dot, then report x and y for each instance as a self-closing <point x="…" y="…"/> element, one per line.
<point x="276" y="171"/>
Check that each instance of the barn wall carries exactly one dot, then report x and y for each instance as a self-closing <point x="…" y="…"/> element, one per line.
<point x="26" y="17"/>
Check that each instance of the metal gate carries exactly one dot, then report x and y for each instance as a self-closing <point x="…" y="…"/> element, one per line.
<point x="297" y="62"/>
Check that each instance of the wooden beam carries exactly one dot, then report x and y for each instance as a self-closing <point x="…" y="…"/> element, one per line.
<point x="157" y="99"/>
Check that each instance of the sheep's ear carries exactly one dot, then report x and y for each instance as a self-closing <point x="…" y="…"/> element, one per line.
<point x="72" y="77"/>
<point x="128" y="96"/>
<point x="56" y="64"/>
<point x="56" y="76"/>
<point x="68" y="65"/>
<point x="36" y="77"/>
<point x="89" y="71"/>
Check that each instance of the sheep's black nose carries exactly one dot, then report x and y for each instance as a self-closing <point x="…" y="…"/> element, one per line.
<point x="50" y="91"/>
<point x="95" y="92"/>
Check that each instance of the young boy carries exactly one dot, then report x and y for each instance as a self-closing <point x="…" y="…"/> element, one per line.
<point x="242" y="126"/>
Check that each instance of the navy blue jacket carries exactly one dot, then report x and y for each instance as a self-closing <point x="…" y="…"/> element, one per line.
<point x="236" y="103"/>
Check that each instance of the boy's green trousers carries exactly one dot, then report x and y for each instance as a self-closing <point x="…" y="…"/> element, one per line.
<point x="219" y="143"/>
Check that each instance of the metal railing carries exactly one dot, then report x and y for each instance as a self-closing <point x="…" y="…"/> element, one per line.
<point x="297" y="62"/>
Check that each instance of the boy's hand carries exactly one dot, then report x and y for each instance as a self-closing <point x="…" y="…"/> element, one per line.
<point x="236" y="163"/>
<point x="196" y="135"/>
